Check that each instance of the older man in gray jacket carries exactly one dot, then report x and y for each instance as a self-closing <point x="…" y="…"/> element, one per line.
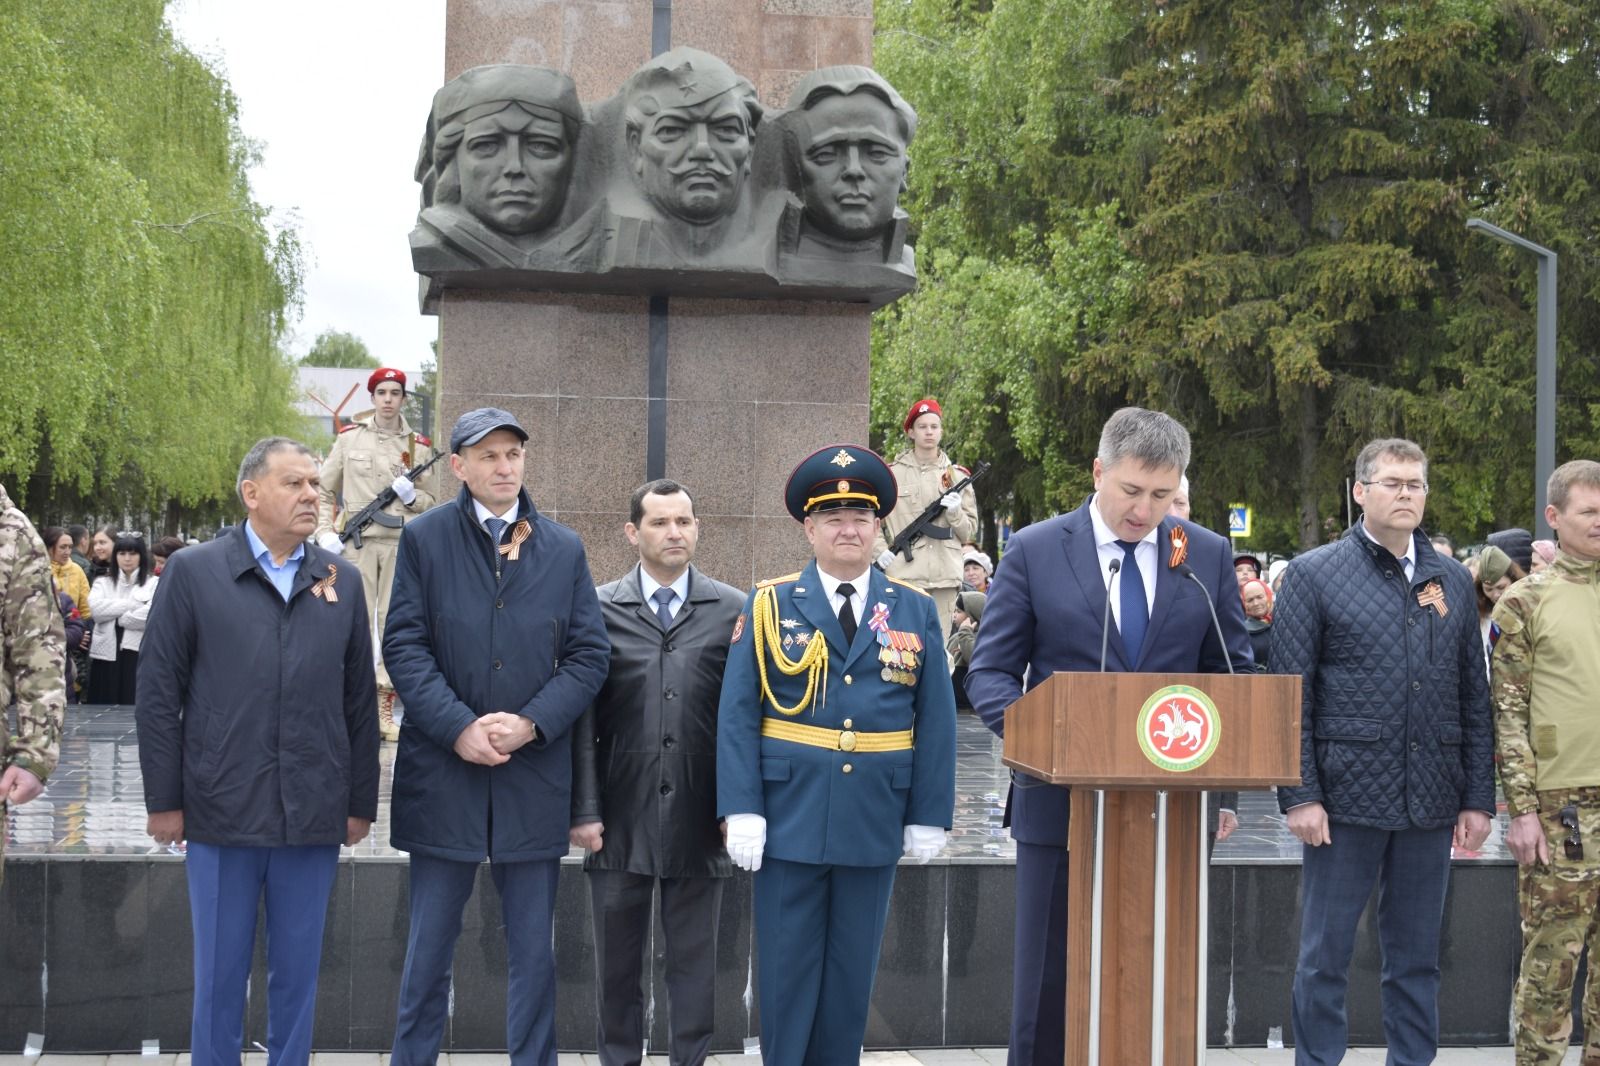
<point x="644" y="779"/>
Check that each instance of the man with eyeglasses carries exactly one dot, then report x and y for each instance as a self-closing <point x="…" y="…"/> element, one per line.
<point x="1546" y="667"/>
<point x="1396" y="749"/>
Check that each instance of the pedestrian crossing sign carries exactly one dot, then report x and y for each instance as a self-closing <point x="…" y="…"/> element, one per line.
<point x="1238" y="520"/>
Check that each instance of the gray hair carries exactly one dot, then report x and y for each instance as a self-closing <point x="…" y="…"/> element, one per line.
<point x="1155" y="439"/>
<point x="255" y="460"/>
<point x="1585" y="472"/>
<point x="1396" y="448"/>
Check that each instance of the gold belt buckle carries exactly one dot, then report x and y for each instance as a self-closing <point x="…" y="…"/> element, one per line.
<point x="847" y="740"/>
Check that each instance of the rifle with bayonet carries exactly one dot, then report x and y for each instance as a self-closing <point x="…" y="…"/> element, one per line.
<point x="374" y="511"/>
<point x="920" y="525"/>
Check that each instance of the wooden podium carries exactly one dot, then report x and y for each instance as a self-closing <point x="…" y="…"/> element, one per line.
<point x="1139" y="750"/>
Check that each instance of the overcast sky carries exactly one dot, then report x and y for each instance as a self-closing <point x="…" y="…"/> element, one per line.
<point x="335" y="93"/>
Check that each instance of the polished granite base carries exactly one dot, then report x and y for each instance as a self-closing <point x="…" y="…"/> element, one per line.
<point x="95" y="940"/>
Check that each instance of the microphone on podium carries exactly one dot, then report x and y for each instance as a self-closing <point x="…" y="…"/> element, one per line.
<point x="1105" y="622"/>
<point x="1185" y="570"/>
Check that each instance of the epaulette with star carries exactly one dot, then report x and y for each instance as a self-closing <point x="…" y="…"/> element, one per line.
<point x="424" y="441"/>
<point x="348" y="426"/>
<point x="778" y="580"/>
<point x="907" y="584"/>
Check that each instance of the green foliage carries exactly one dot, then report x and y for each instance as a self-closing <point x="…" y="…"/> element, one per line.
<point x="1288" y="185"/>
<point x="147" y="294"/>
<point x="334" y="347"/>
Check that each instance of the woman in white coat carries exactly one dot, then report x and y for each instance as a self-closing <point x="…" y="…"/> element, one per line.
<point x="120" y="604"/>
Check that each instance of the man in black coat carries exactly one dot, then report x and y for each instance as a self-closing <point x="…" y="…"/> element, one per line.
<point x="258" y="745"/>
<point x="644" y="791"/>
<point x="496" y="645"/>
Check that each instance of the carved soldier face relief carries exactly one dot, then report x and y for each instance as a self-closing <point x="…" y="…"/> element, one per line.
<point x="514" y="166"/>
<point x="692" y="161"/>
<point x="853" y="164"/>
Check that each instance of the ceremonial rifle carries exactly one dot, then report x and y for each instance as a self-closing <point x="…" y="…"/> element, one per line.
<point x="923" y="522"/>
<point x="373" y="512"/>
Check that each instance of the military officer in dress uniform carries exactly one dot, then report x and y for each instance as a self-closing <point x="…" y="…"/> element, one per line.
<point x="370" y="455"/>
<point x="835" y="756"/>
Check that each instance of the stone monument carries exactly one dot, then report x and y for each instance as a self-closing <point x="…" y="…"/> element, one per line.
<point x="676" y="279"/>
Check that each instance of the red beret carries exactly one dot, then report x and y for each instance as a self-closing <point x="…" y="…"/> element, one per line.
<point x="386" y="373"/>
<point x="926" y="406"/>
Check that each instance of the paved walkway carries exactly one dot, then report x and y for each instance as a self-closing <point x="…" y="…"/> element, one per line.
<point x="1489" y="1056"/>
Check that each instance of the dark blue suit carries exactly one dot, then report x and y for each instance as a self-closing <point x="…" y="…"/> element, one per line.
<point x="834" y="818"/>
<point x="1044" y="615"/>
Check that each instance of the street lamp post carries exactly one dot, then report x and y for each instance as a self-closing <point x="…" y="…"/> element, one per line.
<point x="1544" y="388"/>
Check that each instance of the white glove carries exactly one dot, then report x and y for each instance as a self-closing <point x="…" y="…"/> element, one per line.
<point x="747" y="838"/>
<point x="952" y="503"/>
<point x="330" y="542"/>
<point x="885" y="560"/>
<point x="404" y="489"/>
<point x="923" y="842"/>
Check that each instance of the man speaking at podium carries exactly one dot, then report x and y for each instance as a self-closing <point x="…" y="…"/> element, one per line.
<point x="1048" y="612"/>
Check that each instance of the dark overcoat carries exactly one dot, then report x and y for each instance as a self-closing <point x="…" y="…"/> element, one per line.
<point x="645" y="758"/>
<point x="256" y="717"/>
<point x="471" y="632"/>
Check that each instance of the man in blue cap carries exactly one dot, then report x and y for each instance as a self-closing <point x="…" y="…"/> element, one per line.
<point x="496" y="644"/>
<point x="835" y="756"/>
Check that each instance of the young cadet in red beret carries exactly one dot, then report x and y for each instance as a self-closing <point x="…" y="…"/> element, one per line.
<point x="925" y="473"/>
<point x="371" y="454"/>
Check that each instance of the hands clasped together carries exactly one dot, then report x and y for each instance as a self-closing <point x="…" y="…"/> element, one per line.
<point x="490" y="740"/>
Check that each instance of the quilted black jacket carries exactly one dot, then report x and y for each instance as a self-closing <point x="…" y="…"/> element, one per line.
<point x="1395" y="727"/>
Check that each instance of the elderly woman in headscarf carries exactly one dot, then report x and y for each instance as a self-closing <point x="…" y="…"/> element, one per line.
<point x="966" y="615"/>
<point x="1257" y="597"/>
<point x="1496" y="573"/>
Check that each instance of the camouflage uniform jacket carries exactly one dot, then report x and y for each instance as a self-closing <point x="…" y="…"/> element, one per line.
<point x="1546" y="670"/>
<point x="34" y="646"/>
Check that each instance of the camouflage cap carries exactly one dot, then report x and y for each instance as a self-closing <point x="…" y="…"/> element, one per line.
<point x="684" y="77"/>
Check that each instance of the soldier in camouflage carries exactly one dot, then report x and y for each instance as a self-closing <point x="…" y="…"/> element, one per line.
<point x="33" y="646"/>
<point x="1545" y="672"/>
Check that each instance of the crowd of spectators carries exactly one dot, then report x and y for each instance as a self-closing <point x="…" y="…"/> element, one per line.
<point x="104" y="584"/>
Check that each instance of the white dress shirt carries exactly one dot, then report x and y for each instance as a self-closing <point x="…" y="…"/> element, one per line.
<point x="680" y="590"/>
<point x="1147" y="555"/>
<point x="830" y="585"/>
<point x="484" y="514"/>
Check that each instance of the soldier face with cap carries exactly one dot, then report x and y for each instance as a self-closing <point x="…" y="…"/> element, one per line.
<point x="514" y="167"/>
<point x="692" y="161"/>
<point x="852" y="163"/>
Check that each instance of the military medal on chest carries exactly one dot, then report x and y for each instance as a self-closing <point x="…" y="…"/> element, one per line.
<point x="897" y="650"/>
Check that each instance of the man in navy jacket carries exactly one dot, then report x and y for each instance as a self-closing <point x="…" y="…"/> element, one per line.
<point x="1044" y="614"/>
<point x="1396" y="753"/>
<point x="258" y="745"/>
<point x="495" y="644"/>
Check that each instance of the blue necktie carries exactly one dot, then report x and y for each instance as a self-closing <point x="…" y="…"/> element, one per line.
<point x="496" y="527"/>
<point x="663" y="598"/>
<point x="1135" y="617"/>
